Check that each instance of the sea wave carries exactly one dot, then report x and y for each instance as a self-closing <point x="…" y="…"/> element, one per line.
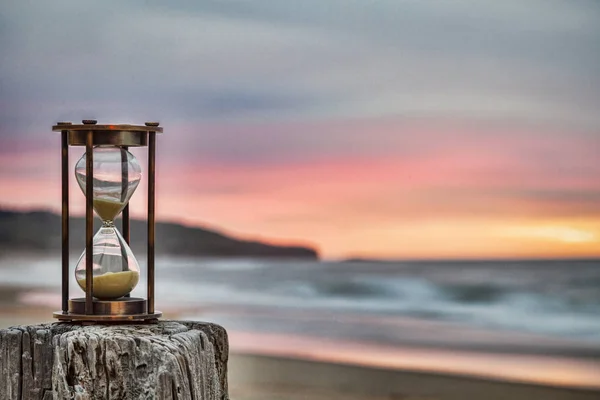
<point x="550" y="298"/>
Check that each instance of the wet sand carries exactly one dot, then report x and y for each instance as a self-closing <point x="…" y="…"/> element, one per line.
<point x="13" y="312"/>
<point x="254" y="377"/>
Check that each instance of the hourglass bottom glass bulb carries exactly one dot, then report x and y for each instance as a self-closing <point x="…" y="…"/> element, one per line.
<point x="115" y="271"/>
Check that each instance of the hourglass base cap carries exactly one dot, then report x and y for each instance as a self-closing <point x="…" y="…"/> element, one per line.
<point x="123" y="309"/>
<point x="70" y="317"/>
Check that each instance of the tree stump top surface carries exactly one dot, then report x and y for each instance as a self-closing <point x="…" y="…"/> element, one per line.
<point x="165" y="359"/>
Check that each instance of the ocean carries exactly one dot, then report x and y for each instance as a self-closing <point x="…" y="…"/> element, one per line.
<point x="546" y="308"/>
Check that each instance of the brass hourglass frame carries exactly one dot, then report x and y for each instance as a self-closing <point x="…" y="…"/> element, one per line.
<point x="89" y="134"/>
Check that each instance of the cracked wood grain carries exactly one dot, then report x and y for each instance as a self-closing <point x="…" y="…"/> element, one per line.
<point x="164" y="360"/>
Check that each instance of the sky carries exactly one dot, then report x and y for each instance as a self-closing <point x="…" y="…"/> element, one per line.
<point x="393" y="129"/>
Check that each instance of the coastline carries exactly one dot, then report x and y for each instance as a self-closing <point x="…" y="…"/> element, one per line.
<point x="271" y="365"/>
<point x="300" y="373"/>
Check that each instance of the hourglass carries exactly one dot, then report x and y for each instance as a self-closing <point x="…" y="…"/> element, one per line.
<point x="108" y="174"/>
<point x="116" y="176"/>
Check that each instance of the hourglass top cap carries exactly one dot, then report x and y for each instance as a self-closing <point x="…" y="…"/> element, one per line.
<point x="91" y="125"/>
<point x="112" y="135"/>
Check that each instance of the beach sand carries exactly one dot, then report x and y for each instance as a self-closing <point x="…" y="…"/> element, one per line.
<point x="254" y="377"/>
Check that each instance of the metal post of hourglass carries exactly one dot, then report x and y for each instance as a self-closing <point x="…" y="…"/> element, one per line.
<point x="125" y="212"/>
<point x="151" y="214"/>
<point x="65" y="216"/>
<point x="89" y="134"/>
<point x="89" y="220"/>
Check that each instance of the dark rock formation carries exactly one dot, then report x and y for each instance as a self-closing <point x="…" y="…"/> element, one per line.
<point x="40" y="230"/>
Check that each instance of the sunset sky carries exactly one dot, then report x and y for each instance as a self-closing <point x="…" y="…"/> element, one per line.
<point x="396" y="129"/>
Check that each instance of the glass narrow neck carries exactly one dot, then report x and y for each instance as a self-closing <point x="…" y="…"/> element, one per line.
<point x="108" y="223"/>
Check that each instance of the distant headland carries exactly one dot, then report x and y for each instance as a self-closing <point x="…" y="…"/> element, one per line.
<point x="36" y="231"/>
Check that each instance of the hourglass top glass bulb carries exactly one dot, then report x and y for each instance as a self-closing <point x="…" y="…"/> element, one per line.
<point x="116" y="175"/>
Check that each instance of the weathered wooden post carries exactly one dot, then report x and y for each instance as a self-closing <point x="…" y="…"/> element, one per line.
<point x="161" y="360"/>
<point x="109" y="345"/>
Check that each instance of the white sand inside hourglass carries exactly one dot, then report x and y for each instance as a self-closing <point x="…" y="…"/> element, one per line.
<point x="112" y="285"/>
<point x="108" y="210"/>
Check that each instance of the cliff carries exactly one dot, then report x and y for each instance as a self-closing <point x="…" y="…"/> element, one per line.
<point x="41" y="231"/>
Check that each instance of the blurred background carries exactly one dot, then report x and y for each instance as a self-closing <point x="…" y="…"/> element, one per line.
<point x="399" y="192"/>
